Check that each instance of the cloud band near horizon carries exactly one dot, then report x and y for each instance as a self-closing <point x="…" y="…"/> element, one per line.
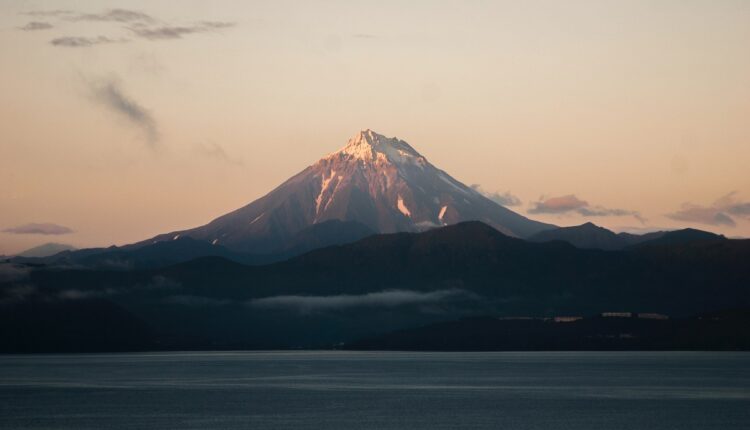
<point x="568" y="204"/>
<point x="39" y="228"/>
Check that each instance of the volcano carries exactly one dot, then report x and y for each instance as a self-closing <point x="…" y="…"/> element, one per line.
<point x="374" y="181"/>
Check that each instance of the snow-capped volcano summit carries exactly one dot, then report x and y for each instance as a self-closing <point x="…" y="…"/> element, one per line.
<point x="374" y="180"/>
<point x="369" y="146"/>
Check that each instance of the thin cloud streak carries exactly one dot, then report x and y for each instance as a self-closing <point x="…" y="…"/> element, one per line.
<point x="83" y="42"/>
<point x="176" y="32"/>
<point x="557" y="205"/>
<point x="49" y="13"/>
<point x="571" y="204"/>
<point x="109" y="94"/>
<point x="11" y="272"/>
<point x="115" y="15"/>
<point x="36" y="25"/>
<point x="503" y="199"/>
<point x="141" y="24"/>
<point x="16" y="294"/>
<point x="390" y="298"/>
<point x="47" y="228"/>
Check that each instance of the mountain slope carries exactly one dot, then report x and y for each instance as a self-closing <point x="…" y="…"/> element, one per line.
<point x="379" y="182"/>
<point x="46" y="250"/>
<point x="681" y="237"/>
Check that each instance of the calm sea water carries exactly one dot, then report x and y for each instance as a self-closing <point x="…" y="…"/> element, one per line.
<point x="382" y="390"/>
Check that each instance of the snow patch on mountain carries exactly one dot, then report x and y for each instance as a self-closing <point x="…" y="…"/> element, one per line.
<point x="442" y="212"/>
<point x="323" y="188"/>
<point x="402" y="207"/>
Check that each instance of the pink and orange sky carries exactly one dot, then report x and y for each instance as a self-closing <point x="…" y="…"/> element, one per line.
<point x="121" y="120"/>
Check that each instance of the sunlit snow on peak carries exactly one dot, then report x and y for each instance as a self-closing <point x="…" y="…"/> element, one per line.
<point x="369" y="146"/>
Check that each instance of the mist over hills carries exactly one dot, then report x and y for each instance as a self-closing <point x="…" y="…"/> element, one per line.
<point x="379" y="284"/>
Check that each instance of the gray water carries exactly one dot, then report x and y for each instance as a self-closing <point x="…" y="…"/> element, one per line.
<point x="380" y="390"/>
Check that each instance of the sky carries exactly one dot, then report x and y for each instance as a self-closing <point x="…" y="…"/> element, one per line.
<point x="123" y="120"/>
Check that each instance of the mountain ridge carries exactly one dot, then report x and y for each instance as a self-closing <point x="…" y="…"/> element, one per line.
<point x="383" y="283"/>
<point x="592" y="236"/>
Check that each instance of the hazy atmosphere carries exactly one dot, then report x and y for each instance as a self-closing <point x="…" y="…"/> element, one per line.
<point x="375" y="214"/>
<point x="121" y="120"/>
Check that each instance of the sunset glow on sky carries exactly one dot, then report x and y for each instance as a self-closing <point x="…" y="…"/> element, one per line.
<point x="122" y="120"/>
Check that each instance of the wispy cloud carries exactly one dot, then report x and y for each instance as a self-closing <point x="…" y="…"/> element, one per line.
<point x="215" y="151"/>
<point x="176" y="32"/>
<point x="75" y="294"/>
<point x="110" y="94"/>
<point x="571" y="204"/>
<point x="139" y="23"/>
<point x="115" y="15"/>
<point x="557" y="205"/>
<point x="733" y="206"/>
<point x="720" y="213"/>
<point x="23" y="291"/>
<point x="503" y="199"/>
<point x="155" y="283"/>
<point x="83" y="42"/>
<point x="702" y="215"/>
<point x="49" y="13"/>
<point x="36" y="25"/>
<point x="10" y="272"/>
<point x="39" y="228"/>
<point x="390" y="298"/>
<point x="17" y="294"/>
